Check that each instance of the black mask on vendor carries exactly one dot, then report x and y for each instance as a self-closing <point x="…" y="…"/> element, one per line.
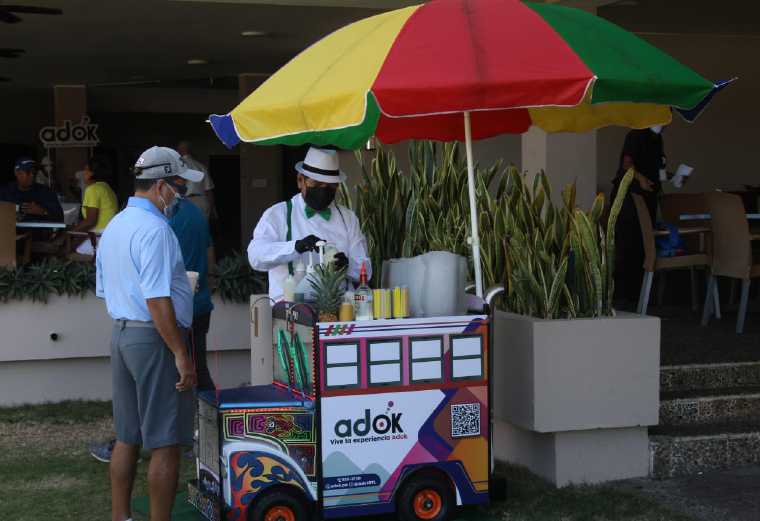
<point x="319" y="197"/>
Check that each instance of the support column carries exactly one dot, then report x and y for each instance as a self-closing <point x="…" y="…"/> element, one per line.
<point x="566" y="158"/>
<point x="70" y="104"/>
<point x="260" y="172"/>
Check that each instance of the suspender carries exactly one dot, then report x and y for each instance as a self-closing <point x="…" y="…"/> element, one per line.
<point x="289" y="236"/>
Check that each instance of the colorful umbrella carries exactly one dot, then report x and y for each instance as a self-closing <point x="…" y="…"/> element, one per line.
<point x="505" y="65"/>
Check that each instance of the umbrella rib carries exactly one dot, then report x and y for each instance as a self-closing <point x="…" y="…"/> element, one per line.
<point x="466" y="12"/>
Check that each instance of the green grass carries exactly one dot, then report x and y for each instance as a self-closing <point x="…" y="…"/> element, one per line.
<point x="47" y="473"/>
<point x="64" y="413"/>
<point x="529" y="498"/>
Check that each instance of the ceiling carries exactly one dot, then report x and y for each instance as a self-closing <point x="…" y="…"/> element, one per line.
<point x="107" y="42"/>
<point x="736" y="18"/>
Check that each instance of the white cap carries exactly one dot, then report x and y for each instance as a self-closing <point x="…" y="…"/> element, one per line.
<point x="322" y="165"/>
<point x="161" y="162"/>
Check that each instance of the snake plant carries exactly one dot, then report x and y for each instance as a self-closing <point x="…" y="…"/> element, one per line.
<point x="556" y="261"/>
<point x="236" y="281"/>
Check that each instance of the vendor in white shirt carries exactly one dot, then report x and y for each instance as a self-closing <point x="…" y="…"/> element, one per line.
<point x="289" y="230"/>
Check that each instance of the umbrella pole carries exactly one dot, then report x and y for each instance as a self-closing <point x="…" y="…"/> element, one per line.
<point x="475" y="236"/>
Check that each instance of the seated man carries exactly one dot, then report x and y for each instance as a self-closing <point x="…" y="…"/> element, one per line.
<point x="36" y="202"/>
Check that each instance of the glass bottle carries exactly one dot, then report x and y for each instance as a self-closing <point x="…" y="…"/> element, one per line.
<point x="363" y="297"/>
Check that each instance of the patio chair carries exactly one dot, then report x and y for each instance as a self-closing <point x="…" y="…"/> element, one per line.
<point x="732" y="249"/>
<point x="10" y="240"/>
<point x="672" y="207"/>
<point x="653" y="263"/>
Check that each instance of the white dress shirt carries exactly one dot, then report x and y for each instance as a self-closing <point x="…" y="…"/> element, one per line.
<point x="269" y="250"/>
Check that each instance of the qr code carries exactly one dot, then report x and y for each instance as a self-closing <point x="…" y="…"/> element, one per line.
<point x="465" y="420"/>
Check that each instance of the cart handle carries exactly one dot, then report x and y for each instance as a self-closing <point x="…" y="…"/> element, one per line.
<point x="493" y="292"/>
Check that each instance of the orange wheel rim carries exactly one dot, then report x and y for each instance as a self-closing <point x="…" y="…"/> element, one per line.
<point x="427" y="504"/>
<point x="280" y="514"/>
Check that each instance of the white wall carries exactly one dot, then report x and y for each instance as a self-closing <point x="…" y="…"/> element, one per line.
<point x="34" y="368"/>
<point x="39" y="381"/>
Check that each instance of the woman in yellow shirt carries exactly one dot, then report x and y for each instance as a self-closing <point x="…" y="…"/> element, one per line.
<point x="99" y="204"/>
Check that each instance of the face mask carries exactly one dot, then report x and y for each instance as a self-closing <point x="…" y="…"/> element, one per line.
<point x="656" y="129"/>
<point x="319" y="197"/>
<point x="171" y="207"/>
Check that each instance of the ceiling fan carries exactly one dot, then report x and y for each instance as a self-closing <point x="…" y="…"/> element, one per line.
<point x="7" y="12"/>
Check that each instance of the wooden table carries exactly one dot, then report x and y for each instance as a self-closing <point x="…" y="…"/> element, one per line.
<point x="683" y="231"/>
<point x="689" y="230"/>
<point x="707" y="216"/>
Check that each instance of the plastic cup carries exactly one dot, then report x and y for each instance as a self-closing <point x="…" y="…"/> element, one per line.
<point x="387" y="304"/>
<point x="377" y="303"/>
<point x="397" y="307"/>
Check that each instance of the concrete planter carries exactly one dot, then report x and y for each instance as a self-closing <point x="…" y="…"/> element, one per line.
<point x="573" y="398"/>
<point x="61" y="350"/>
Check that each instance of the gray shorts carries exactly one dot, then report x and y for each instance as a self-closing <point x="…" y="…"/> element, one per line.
<point x="147" y="408"/>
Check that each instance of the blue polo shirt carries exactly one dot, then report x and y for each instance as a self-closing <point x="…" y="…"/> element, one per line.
<point x="139" y="258"/>
<point x="192" y="231"/>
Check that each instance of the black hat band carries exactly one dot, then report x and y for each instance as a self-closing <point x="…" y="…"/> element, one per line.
<point x="315" y="170"/>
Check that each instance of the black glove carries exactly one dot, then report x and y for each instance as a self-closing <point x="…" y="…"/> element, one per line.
<point x="340" y="260"/>
<point x="308" y="243"/>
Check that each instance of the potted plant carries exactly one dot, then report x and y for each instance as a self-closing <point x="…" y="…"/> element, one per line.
<point x="576" y="382"/>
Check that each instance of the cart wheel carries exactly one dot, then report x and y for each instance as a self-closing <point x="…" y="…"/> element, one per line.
<point x="426" y="498"/>
<point x="279" y="505"/>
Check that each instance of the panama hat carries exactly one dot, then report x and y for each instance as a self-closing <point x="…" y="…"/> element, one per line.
<point x="321" y="165"/>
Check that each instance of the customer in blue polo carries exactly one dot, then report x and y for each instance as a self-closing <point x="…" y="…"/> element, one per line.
<point x="35" y="202"/>
<point x="141" y="275"/>
<point x="192" y="231"/>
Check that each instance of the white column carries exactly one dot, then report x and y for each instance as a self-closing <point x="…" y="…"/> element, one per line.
<point x="566" y="158"/>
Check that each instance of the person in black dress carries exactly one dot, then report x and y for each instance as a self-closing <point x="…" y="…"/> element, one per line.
<point x="643" y="151"/>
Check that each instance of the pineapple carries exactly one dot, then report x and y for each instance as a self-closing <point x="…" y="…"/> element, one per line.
<point x="328" y="284"/>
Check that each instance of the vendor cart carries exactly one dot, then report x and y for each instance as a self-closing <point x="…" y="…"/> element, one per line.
<point x="361" y="418"/>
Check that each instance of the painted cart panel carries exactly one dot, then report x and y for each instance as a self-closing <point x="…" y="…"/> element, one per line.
<point x="399" y="395"/>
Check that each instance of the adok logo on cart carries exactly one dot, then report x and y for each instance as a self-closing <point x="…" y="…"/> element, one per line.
<point x="380" y="424"/>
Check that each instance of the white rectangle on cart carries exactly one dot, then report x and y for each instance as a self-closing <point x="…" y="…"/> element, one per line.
<point x="342" y="375"/>
<point x="384" y="351"/>
<point x="385" y="373"/>
<point x="426" y="370"/>
<point x="342" y="353"/>
<point x="467" y="368"/>
<point x="467" y="346"/>
<point x="426" y="349"/>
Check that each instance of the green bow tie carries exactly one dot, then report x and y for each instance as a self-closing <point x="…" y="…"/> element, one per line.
<point x="325" y="214"/>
